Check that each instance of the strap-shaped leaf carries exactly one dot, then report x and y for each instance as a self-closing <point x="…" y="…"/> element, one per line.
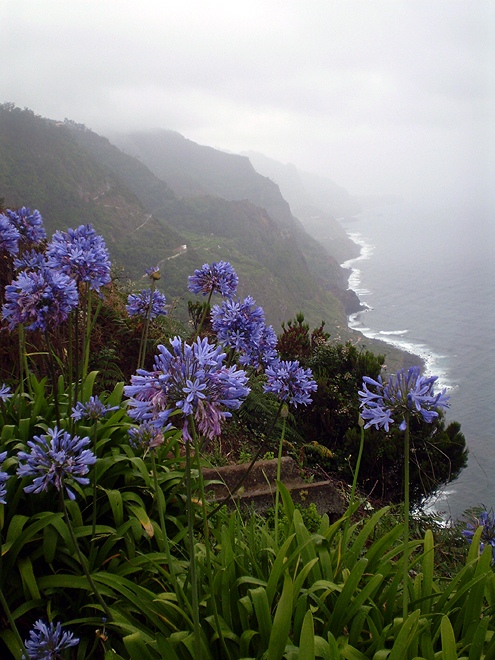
<point x="307" y="639"/>
<point x="279" y="635"/>
<point x="448" y="640"/>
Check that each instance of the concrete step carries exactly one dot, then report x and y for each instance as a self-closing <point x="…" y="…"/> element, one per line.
<point x="258" y="489"/>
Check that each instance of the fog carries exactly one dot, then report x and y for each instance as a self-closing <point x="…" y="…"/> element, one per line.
<point x="383" y="97"/>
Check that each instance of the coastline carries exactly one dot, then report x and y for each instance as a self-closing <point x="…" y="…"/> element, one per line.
<point x="399" y="355"/>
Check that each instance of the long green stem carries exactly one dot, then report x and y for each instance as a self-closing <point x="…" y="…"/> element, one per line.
<point x="23" y="362"/>
<point x="192" y="556"/>
<point x="161" y="517"/>
<point x="406" y="520"/>
<point x="76" y="361"/>
<point x="82" y="559"/>
<point x="354" y="484"/>
<point x="51" y="364"/>
<point x="285" y="412"/>
<point x="93" y="532"/>
<point x="144" y="336"/>
<point x="207" y="307"/>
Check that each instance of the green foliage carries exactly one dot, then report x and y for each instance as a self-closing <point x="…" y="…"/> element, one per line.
<point x="302" y="594"/>
<point x="438" y="452"/>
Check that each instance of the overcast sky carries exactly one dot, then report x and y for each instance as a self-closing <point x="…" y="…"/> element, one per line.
<point x="382" y="96"/>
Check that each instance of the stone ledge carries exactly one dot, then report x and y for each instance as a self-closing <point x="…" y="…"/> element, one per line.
<point x="258" y="490"/>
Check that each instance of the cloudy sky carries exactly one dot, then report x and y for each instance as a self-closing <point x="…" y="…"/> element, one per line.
<point x="382" y="96"/>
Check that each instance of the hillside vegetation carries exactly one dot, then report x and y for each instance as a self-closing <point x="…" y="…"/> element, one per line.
<point x="176" y="194"/>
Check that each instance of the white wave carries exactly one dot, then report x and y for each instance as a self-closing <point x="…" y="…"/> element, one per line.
<point x="393" y="332"/>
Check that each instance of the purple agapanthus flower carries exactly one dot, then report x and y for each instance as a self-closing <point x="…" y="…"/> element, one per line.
<point x="81" y="254"/>
<point x="31" y="260"/>
<point x="93" y="410"/>
<point x="30" y="225"/>
<point x="9" y="236"/>
<point x="147" y="436"/>
<point x="39" y="298"/>
<point x="3" y="478"/>
<point x="54" y="458"/>
<point x="290" y="382"/>
<point x="218" y="278"/>
<point x="190" y="379"/>
<point x="408" y="393"/>
<point x="486" y="520"/>
<point x="46" y="642"/>
<point x="5" y="393"/>
<point x="239" y="325"/>
<point x="261" y="350"/>
<point x="139" y="303"/>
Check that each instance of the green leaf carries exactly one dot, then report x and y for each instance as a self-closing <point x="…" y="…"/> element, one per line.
<point x="479" y="639"/>
<point x="29" y="581"/>
<point x="263" y="615"/>
<point x="428" y="566"/>
<point x="448" y="640"/>
<point x="278" y="568"/>
<point x="405" y="637"/>
<point x="279" y="635"/>
<point x="137" y="647"/>
<point x="50" y="539"/>
<point x="87" y="388"/>
<point x="143" y="518"/>
<point x="307" y="639"/>
<point x="116" y="502"/>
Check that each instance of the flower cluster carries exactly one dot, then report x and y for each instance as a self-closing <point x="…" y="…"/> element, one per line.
<point x="218" y="278"/>
<point x="290" y="382"/>
<point x="30" y="260"/>
<point x="46" y="642"/>
<point x="192" y="380"/>
<point x="39" y="298"/>
<point x="487" y="522"/>
<point x="241" y="325"/>
<point x="29" y="225"/>
<point x="139" y="303"/>
<point x="9" y="236"/>
<point x="81" y="254"/>
<point x="146" y="436"/>
<point x="408" y="393"/>
<point x="55" y="457"/>
<point x="93" y="410"/>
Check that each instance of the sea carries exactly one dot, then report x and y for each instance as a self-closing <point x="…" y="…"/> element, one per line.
<point x="426" y="278"/>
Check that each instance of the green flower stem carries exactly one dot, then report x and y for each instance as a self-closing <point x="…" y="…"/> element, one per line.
<point x="93" y="532"/>
<point x="204" y="316"/>
<point x="12" y="624"/>
<point x="76" y="361"/>
<point x="144" y="336"/>
<point x="207" y="539"/>
<point x="354" y="484"/>
<point x="285" y="412"/>
<point x="192" y="556"/>
<point x="51" y="364"/>
<point x="406" y="519"/>
<point x="69" y="366"/>
<point x="161" y="517"/>
<point x="23" y="362"/>
<point x="90" y="324"/>
<point x="251" y="465"/>
<point x="82" y="559"/>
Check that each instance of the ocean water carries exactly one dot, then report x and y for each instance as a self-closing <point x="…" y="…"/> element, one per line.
<point x="427" y="278"/>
